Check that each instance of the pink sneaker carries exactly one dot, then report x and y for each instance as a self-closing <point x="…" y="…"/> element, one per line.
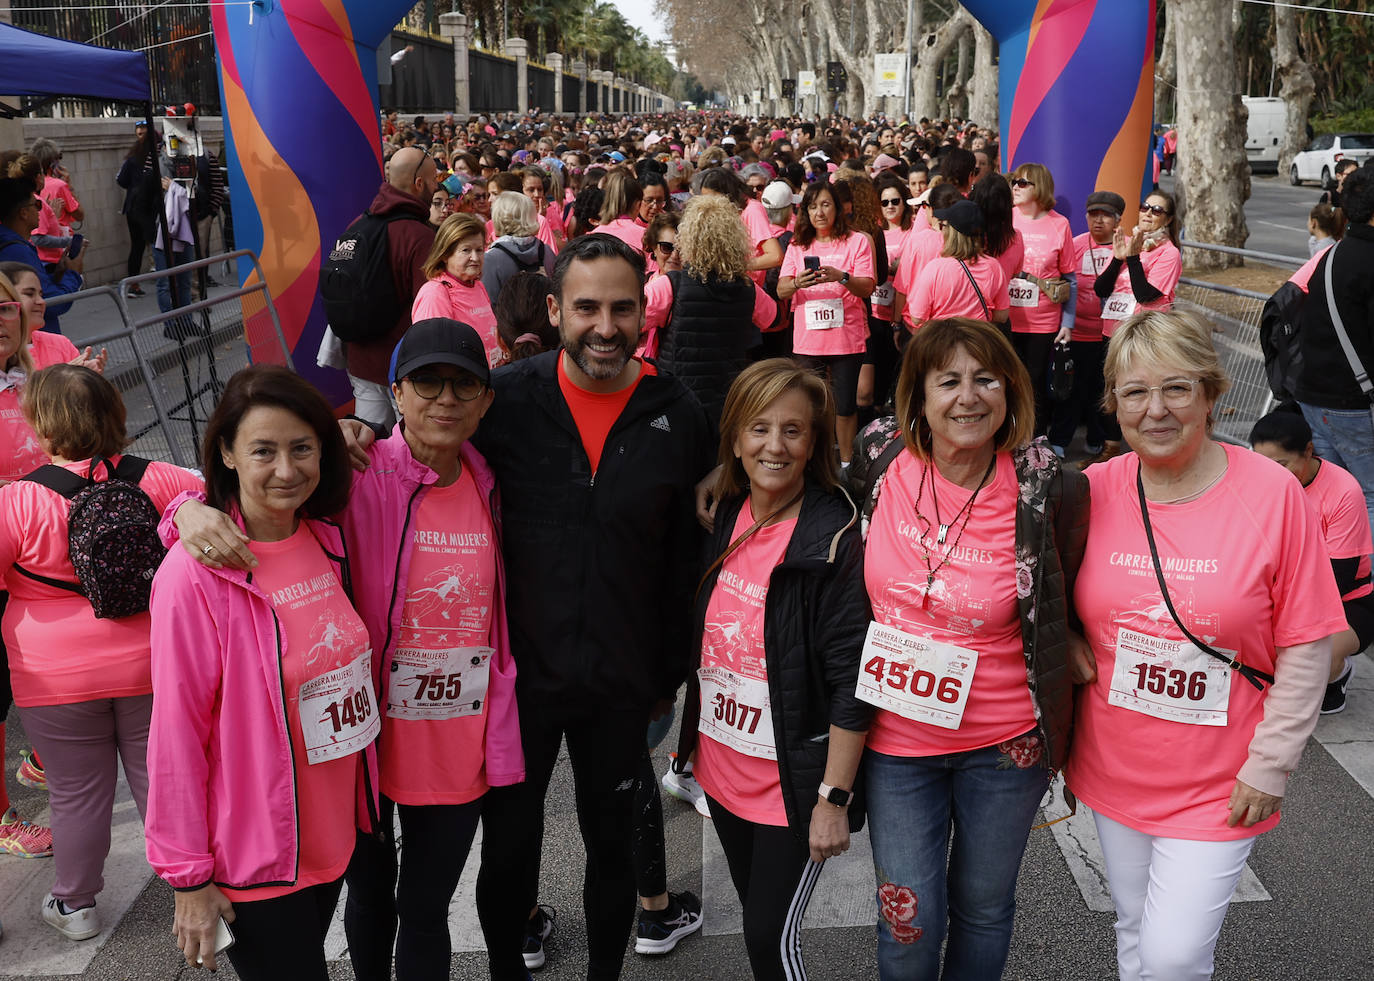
<point x="23" y="838"/>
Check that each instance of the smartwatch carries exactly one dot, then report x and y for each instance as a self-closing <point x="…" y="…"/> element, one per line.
<point x="834" y="795"/>
<point x="844" y="280"/>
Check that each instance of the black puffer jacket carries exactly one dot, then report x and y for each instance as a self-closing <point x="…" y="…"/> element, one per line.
<point x="816" y="615"/>
<point x="708" y="335"/>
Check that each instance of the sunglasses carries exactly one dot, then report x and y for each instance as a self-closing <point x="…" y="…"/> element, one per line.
<point x="666" y="246"/>
<point x="1155" y="210"/>
<point x="892" y="202"/>
<point x="1022" y="182"/>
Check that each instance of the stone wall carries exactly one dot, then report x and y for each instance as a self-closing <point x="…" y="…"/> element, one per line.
<point x="92" y="150"/>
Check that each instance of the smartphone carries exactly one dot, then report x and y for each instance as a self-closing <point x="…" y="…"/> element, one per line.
<point x="74" y="249"/>
<point x="812" y="262"/>
<point x="224" y="939"/>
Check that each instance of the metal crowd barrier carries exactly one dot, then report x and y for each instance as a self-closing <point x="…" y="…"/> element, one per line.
<point x="170" y="367"/>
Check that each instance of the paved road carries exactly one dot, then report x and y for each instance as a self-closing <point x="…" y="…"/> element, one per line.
<point x="1308" y="912"/>
<point x="1276" y="214"/>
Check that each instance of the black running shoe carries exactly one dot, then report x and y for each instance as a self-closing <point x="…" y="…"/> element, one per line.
<point x="536" y="932"/>
<point x="1334" y="699"/>
<point x="660" y="930"/>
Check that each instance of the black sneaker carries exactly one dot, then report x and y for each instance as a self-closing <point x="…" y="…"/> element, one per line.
<point x="537" y="930"/>
<point x="660" y="930"/>
<point x="1334" y="699"/>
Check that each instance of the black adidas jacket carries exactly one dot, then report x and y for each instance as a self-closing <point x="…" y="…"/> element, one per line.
<point x="600" y="569"/>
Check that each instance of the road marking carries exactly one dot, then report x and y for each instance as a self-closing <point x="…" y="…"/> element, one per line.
<point x="845" y="895"/>
<point x="1349" y="736"/>
<point x="1274" y="224"/>
<point x="1077" y="840"/>
<point x="31" y="947"/>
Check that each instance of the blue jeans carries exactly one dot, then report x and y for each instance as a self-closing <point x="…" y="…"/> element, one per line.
<point x="989" y="799"/>
<point x="1346" y="438"/>
<point x="164" y="287"/>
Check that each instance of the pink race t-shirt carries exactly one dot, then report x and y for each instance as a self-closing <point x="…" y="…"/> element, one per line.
<point x="828" y="317"/>
<point x="1304" y="275"/>
<point x="1163" y="266"/>
<point x="448" y="608"/>
<point x="943" y="290"/>
<point x="922" y="245"/>
<point x="59" y="652"/>
<point x="627" y="230"/>
<point x="49" y="225"/>
<point x="732" y="647"/>
<point x="20" y="452"/>
<point x="971" y="603"/>
<point x="1090" y="258"/>
<point x="1247" y="572"/>
<point x="1049" y="255"/>
<point x="759" y="230"/>
<point x="1013" y="259"/>
<point x="895" y="240"/>
<point x="1340" y="505"/>
<point x="446" y="296"/>
<point x="320" y="633"/>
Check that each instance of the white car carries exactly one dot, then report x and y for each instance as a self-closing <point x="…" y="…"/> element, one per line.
<point x="1318" y="161"/>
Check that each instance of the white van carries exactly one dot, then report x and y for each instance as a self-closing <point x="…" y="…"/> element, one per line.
<point x="1268" y="116"/>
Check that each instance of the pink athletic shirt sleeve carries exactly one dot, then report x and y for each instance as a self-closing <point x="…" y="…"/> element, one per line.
<point x="1247" y="572"/>
<point x="748" y="785"/>
<point x="1339" y="501"/>
<point x="59" y="652"/>
<point x="447" y="607"/>
<point x="320" y="632"/>
<point x="971" y="602"/>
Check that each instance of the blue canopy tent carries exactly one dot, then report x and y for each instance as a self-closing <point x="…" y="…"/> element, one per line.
<point x="36" y="64"/>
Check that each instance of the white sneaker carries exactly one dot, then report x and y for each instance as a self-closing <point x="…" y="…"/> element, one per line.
<point x="76" y="924"/>
<point x="702" y="807"/>
<point x="683" y="786"/>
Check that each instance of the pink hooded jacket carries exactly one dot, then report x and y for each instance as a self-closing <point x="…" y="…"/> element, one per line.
<point x="222" y="787"/>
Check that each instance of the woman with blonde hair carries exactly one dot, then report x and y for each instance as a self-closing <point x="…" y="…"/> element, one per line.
<point x="963" y="281"/>
<point x="708" y="316"/>
<point x="515" y="223"/>
<point x="454" y="290"/>
<point x="619" y="206"/>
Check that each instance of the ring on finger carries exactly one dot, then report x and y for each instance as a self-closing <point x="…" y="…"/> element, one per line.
<point x="207" y="549"/>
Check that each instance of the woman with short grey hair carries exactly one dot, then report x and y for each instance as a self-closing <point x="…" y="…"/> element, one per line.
<point x="514" y="224"/>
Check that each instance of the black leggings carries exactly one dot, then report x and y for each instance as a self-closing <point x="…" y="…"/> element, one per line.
<point x="651" y="873"/>
<point x="842" y="371"/>
<point x="284" y="937"/>
<point x="605" y="751"/>
<point x="1084" y="404"/>
<point x="774" y="876"/>
<point x="138" y="245"/>
<point x="1035" y="351"/>
<point x="435" y="841"/>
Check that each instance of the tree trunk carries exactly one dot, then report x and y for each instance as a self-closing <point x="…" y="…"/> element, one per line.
<point x="931" y="52"/>
<point x="958" y="92"/>
<point x="1166" y="86"/>
<point x="1296" y="85"/>
<point x="1214" y="178"/>
<point x="982" y="107"/>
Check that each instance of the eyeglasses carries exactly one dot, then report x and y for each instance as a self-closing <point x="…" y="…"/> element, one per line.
<point x="666" y="246"/>
<point x="1176" y="394"/>
<point x="1155" y="210"/>
<point x="465" y="387"/>
<point x="891" y="202"/>
<point x="1022" y="182"/>
<point x="10" y="311"/>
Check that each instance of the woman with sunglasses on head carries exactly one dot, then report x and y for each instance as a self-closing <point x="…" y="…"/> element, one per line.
<point x="1043" y="291"/>
<point x="1209" y="605"/>
<point x="423" y="525"/>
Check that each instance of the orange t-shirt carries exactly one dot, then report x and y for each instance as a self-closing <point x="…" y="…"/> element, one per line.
<point x="596" y="412"/>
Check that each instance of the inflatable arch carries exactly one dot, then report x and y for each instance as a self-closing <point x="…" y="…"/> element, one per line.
<point x="298" y="80"/>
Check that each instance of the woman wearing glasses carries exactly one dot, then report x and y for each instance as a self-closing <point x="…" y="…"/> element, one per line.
<point x="423" y="524"/>
<point x="898" y="214"/>
<point x="660" y="242"/>
<point x="1209" y="605"/>
<point x="707" y="317"/>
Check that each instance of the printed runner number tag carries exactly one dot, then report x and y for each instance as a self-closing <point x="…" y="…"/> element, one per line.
<point x="824" y="314"/>
<point x="736" y="712"/>
<point x="918" y="679"/>
<point x="1023" y="293"/>
<point x="438" y="683"/>
<point x="1119" y="306"/>
<point x="339" y="712"/>
<point x="1170" y="679"/>
<point x="1091" y="265"/>
<point x="884" y="295"/>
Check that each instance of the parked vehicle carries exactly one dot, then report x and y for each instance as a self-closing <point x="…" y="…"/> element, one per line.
<point x="1263" y="131"/>
<point x="1318" y="161"/>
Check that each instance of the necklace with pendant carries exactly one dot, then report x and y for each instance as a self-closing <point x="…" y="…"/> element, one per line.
<point x="943" y="527"/>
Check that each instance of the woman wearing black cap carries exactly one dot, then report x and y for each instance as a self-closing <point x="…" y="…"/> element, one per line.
<point x="963" y="281"/>
<point x="423" y="522"/>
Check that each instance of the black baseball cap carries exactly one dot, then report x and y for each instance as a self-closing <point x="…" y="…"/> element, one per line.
<point x="1106" y="201"/>
<point x="440" y="340"/>
<point x="964" y="215"/>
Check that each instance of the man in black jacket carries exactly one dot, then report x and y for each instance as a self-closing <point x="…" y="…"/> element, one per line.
<point x="596" y="456"/>
<point x="1340" y="414"/>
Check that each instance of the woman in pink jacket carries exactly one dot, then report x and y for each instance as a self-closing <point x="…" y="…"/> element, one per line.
<point x="455" y="289"/>
<point x="423" y="521"/>
<point x="264" y="713"/>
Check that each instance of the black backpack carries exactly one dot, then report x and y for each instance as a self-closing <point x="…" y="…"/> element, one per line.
<point x="112" y="536"/>
<point x="1281" y="341"/>
<point x="359" y="292"/>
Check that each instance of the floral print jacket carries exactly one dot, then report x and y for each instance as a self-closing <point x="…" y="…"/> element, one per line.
<point x="1051" y="530"/>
